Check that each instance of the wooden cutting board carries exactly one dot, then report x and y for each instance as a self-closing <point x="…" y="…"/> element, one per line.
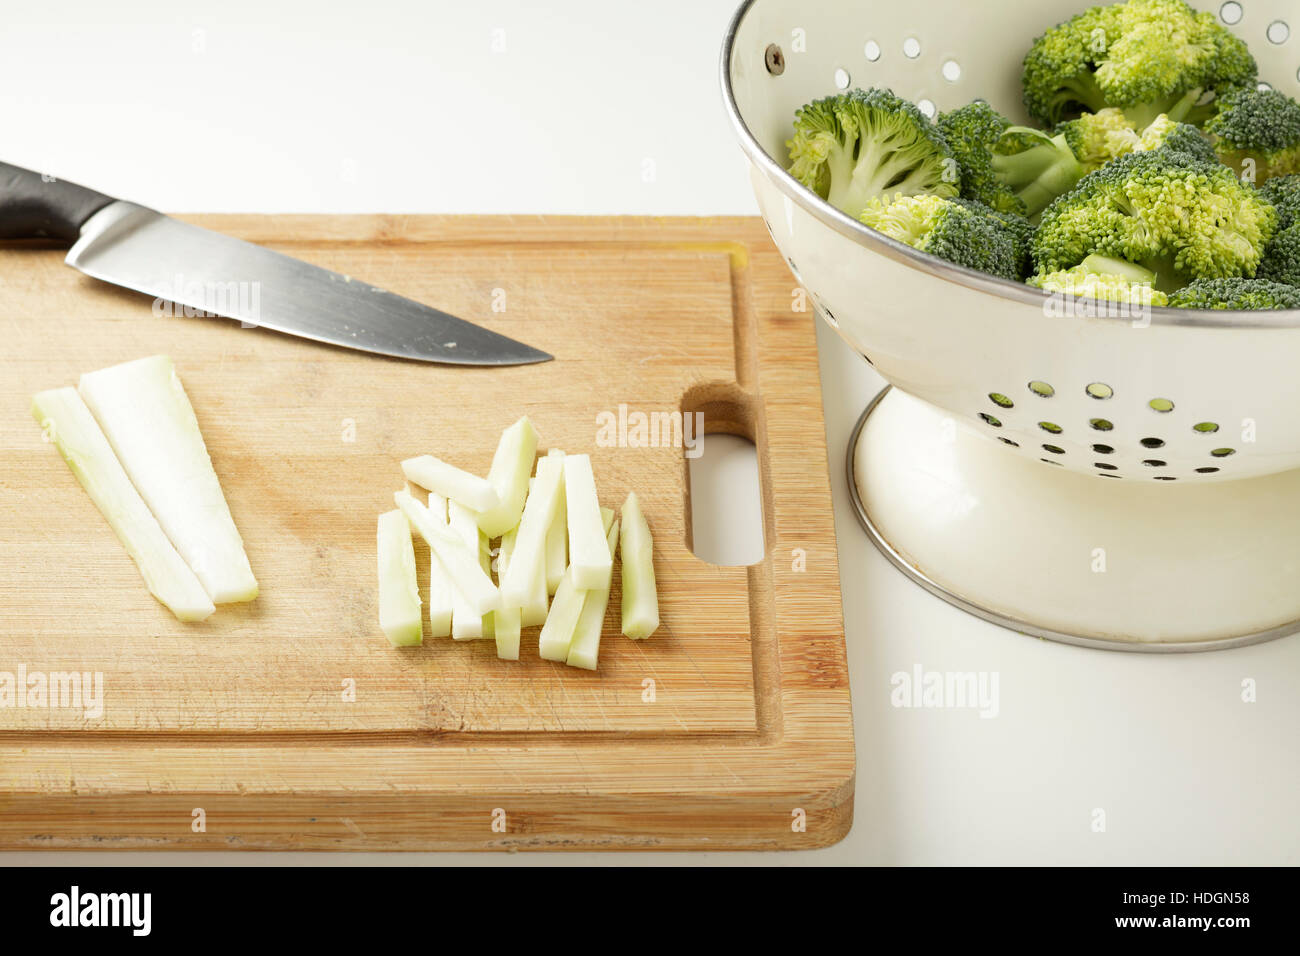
<point x="290" y="723"/>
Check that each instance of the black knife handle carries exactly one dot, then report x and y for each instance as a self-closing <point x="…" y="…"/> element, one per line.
<point x="33" y="206"/>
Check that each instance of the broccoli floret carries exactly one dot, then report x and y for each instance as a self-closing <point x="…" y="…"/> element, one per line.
<point x="1012" y="169"/>
<point x="959" y="230"/>
<point x="1145" y="56"/>
<point x="1097" y="138"/>
<point x="1284" y="193"/>
<point x="1105" y="279"/>
<point x="1165" y="210"/>
<point x="858" y="145"/>
<point x="1236" y="294"/>
<point x="1281" y="262"/>
<point x="1165" y="133"/>
<point x="1259" y="127"/>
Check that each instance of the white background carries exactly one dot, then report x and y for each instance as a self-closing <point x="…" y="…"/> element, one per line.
<point x="386" y="106"/>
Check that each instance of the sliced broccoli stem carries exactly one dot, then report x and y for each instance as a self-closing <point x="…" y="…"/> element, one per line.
<point x="1041" y="173"/>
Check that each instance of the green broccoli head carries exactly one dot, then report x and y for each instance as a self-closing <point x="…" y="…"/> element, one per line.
<point x="1281" y="262"/>
<point x="855" y="146"/>
<point x="962" y="231"/>
<point x="1257" y="133"/>
<point x="1284" y="193"/>
<point x="1145" y="56"/>
<point x="1012" y="169"/>
<point x="1165" y="210"/>
<point x="1236" y="293"/>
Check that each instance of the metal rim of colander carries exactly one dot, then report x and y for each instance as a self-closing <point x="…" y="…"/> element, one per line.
<point x="863" y="235"/>
<point x="1012" y="623"/>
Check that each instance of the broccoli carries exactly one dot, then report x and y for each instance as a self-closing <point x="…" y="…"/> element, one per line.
<point x="1259" y="127"/>
<point x="1145" y="56"/>
<point x="1164" y="210"/>
<point x="858" y="145"/>
<point x="1097" y="138"/>
<point x="1234" y="293"/>
<point x="1105" y="279"/>
<point x="1281" y="262"/>
<point x="962" y="231"/>
<point x="1013" y="169"/>
<point x="1284" y="193"/>
<point x="1165" y="133"/>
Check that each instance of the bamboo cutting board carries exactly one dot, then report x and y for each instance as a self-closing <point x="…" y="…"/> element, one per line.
<point x="289" y="723"/>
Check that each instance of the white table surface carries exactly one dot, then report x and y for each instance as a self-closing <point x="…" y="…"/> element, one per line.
<point x="583" y="106"/>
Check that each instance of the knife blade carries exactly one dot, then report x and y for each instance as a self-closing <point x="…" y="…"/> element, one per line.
<point x="213" y="274"/>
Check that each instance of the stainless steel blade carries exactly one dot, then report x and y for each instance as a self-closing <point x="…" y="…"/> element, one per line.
<point x="144" y="250"/>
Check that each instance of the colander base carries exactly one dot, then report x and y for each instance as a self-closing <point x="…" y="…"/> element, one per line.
<point x="1119" y="565"/>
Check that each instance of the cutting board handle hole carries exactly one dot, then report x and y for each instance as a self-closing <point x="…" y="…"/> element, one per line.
<point x="724" y="497"/>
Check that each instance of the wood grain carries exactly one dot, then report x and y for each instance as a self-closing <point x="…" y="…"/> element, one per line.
<point x="726" y="727"/>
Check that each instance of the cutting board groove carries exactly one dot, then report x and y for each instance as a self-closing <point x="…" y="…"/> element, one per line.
<point x="731" y="727"/>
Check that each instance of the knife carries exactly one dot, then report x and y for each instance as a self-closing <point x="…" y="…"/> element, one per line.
<point x="142" y="249"/>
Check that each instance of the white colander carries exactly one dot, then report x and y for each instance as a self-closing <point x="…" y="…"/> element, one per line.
<point x="992" y="496"/>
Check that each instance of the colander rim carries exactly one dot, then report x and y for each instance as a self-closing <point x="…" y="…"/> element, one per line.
<point x="865" y="236"/>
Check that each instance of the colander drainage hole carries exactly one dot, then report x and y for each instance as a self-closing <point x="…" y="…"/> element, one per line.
<point x="1050" y="462"/>
<point x="1042" y="389"/>
<point x="1054" y="449"/>
<point x="911" y="48"/>
<point x="1100" y="424"/>
<point x="1223" y="452"/>
<point x="1008" y="441"/>
<point x="1106" y="474"/>
<point x="1165" y="478"/>
<point x="991" y="420"/>
<point x="1230" y="13"/>
<point x="871" y="51"/>
<point x="951" y="71"/>
<point x="1161" y="405"/>
<point x="1205" y="428"/>
<point x="1153" y="443"/>
<point x="1050" y="427"/>
<point x="1100" y="390"/>
<point x="1154" y="463"/>
<point x="1206" y="471"/>
<point x="842" y="79"/>
<point x="1105" y="466"/>
<point x="1103" y="449"/>
<point x="1000" y="400"/>
<point x="1278" y="32"/>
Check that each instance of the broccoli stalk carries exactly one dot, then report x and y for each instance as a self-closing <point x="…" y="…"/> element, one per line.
<point x="1039" y="173"/>
<point x="1013" y="169"/>
<point x="856" y="146"/>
